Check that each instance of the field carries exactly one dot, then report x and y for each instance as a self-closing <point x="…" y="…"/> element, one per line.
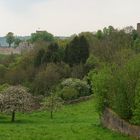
<point x="72" y="122"/>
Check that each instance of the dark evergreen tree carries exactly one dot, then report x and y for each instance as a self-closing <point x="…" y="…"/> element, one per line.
<point x="77" y="51"/>
<point x="39" y="59"/>
<point x="54" y="53"/>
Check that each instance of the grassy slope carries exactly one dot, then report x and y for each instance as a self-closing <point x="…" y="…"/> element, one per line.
<point x="73" y="122"/>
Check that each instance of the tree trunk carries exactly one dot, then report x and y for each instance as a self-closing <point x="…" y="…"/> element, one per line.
<point x="52" y="107"/>
<point x="51" y="114"/>
<point x="13" y="116"/>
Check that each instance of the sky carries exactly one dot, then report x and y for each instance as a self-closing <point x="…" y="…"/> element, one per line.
<point x="66" y="17"/>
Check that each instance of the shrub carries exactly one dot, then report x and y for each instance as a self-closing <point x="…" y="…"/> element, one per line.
<point x="126" y="81"/>
<point x="136" y="109"/>
<point x="68" y="93"/>
<point x="118" y="89"/>
<point x="100" y="82"/>
<point x="80" y="85"/>
<point x="48" y="79"/>
<point x="92" y="63"/>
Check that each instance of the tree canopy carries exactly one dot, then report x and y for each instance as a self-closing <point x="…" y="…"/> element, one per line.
<point x="10" y="38"/>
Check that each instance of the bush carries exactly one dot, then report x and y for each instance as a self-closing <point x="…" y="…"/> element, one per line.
<point x="68" y="93"/>
<point x="48" y="79"/>
<point x="126" y="81"/>
<point x="136" y="110"/>
<point x="81" y="86"/>
<point x="119" y="89"/>
<point x="92" y="63"/>
<point x="100" y="82"/>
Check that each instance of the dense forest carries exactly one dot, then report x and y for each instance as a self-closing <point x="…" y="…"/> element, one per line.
<point x="105" y="64"/>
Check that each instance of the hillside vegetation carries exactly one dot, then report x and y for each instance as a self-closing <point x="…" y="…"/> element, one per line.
<point x="105" y="64"/>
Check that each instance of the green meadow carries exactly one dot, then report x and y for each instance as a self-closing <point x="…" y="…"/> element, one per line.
<point x="72" y="122"/>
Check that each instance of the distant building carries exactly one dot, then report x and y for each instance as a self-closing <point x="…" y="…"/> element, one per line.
<point x="7" y="51"/>
<point x="138" y="28"/>
<point x="24" y="47"/>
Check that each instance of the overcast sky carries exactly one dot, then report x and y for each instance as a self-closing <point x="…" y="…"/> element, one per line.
<point x="66" y="17"/>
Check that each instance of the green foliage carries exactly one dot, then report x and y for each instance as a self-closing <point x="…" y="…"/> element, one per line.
<point x="112" y="41"/>
<point x="54" y="53"/>
<point x="69" y="93"/>
<point x="126" y="81"/>
<point x="20" y="69"/>
<point x="7" y="60"/>
<point x="77" y="51"/>
<point x="135" y="34"/>
<point x="46" y="80"/>
<point x="80" y="86"/>
<point x="15" y="76"/>
<point x="78" y="71"/>
<point x="92" y="40"/>
<point x="10" y="38"/>
<point x="49" y="78"/>
<point x="49" y="54"/>
<point x="118" y="88"/>
<point x="41" y="36"/>
<point x="3" y="87"/>
<point x="3" y="71"/>
<point x="39" y="59"/>
<point x="92" y="63"/>
<point x="52" y="103"/>
<point x="99" y="34"/>
<point x="123" y="56"/>
<point x="17" y="41"/>
<point x="108" y="31"/>
<point x="101" y="87"/>
<point x="122" y="104"/>
<point x="137" y="45"/>
<point x="62" y="42"/>
<point x="136" y="108"/>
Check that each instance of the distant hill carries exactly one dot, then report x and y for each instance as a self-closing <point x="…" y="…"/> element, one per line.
<point x="3" y="42"/>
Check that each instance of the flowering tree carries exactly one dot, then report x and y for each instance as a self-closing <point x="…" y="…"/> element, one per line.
<point x="52" y="103"/>
<point x="15" y="99"/>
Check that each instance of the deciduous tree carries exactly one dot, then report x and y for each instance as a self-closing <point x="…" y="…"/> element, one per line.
<point x="10" y="38"/>
<point x="15" y="99"/>
<point x="52" y="103"/>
